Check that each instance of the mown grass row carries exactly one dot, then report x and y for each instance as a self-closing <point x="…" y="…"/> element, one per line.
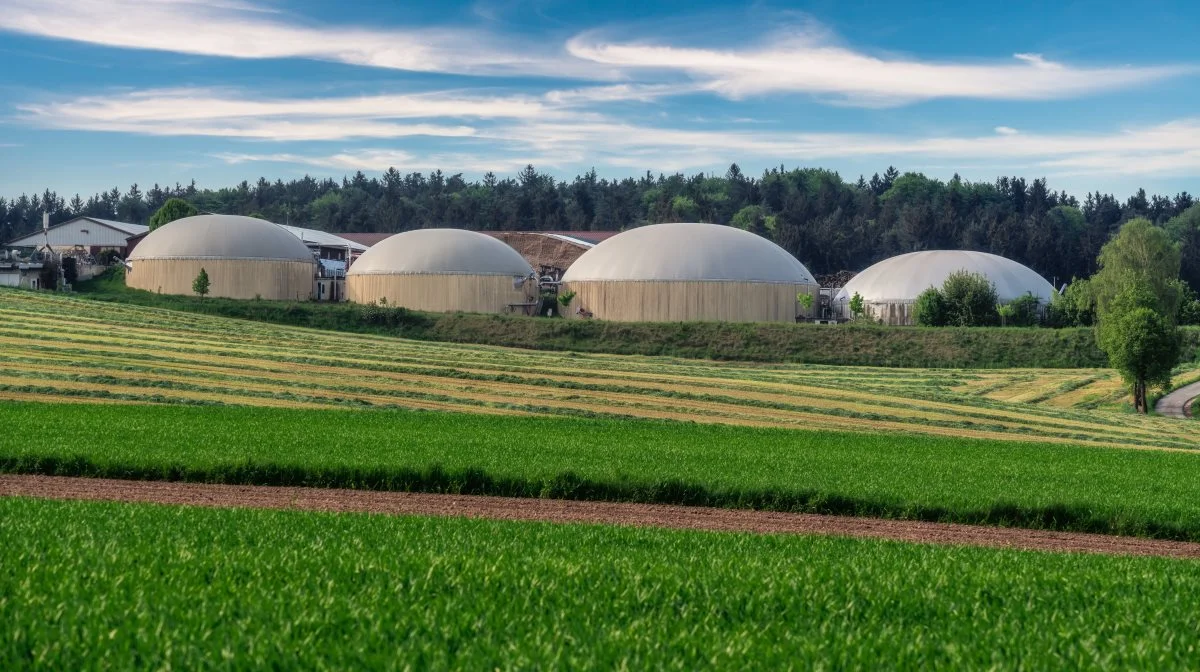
<point x="537" y="395"/>
<point x="1149" y="493"/>
<point x="50" y="338"/>
<point x="853" y="345"/>
<point x="124" y="586"/>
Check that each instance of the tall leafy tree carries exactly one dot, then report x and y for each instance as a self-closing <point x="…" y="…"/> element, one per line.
<point x="1142" y="344"/>
<point x="1137" y="294"/>
<point x="173" y="209"/>
<point x="1141" y="253"/>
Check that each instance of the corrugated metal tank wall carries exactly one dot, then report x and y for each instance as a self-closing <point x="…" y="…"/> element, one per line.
<point x="228" y="278"/>
<point x="687" y="301"/>
<point x="443" y="293"/>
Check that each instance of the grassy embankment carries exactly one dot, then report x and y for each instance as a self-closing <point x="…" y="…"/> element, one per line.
<point x="61" y="348"/>
<point x="857" y="345"/>
<point x="1139" y="492"/>
<point x="120" y="586"/>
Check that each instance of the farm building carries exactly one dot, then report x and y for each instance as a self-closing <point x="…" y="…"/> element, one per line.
<point x="684" y="272"/>
<point x="890" y="287"/>
<point x="20" y="270"/>
<point x="444" y="270"/>
<point x="549" y="252"/>
<point x="244" y="258"/>
<point x="334" y="252"/>
<point x="88" y="234"/>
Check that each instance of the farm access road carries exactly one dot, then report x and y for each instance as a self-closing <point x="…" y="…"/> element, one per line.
<point x="570" y="511"/>
<point x="1175" y="404"/>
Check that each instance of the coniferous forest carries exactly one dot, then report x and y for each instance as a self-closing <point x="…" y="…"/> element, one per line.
<point x="828" y="223"/>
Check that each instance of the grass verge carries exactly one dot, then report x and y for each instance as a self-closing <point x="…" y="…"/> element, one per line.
<point x="123" y="586"/>
<point x="1137" y="492"/>
<point x="856" y="345"/>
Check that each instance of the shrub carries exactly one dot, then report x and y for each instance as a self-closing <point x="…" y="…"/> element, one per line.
<point x="1025" y="311"/>
<point x="970" y="300"/>
<point x="858" y="306"/>
<point x="383" y="316"/>
<point x="806" y="300"/>
<point x="1075" y="307"/>
<point x="566" y="297"/>
<point x="1006" y="311"/>
<point x="929" y="309"/>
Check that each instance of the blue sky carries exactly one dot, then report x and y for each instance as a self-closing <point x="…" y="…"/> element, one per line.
<point x="103" y="93"/>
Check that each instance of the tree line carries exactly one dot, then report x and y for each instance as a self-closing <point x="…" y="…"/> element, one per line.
<point x="828" y="223"/>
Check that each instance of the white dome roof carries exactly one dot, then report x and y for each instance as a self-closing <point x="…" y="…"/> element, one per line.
<point x="688" y="252"/>
<point x="904" y="277"/>
<point x="443" y="251"/>
<point x="221" y="237"/>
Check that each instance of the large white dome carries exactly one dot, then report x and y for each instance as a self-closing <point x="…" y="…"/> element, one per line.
<point x="441" y="251"/>
<point x="221" y="237"/>
<point x="904" y="277"/>
<point x="688" y="252"/>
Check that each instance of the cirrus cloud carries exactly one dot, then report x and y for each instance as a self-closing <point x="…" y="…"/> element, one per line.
<point x="247" y="30"/>
<point x="806" y="61"/>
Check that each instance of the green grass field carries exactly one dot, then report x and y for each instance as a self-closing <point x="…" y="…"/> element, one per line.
<point x="60" y="348"/>
<point x="121" y="586"/>
<point x="1142" y="492"/>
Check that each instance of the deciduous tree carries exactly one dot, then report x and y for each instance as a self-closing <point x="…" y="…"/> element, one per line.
<point x="173" y="209"/>
<point x="200" y="284"/>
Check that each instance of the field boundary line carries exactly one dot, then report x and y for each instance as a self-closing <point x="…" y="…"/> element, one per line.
<point x="561" y="511"/>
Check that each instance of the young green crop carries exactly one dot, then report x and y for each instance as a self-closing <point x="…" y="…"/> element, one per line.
<point x="124" y="586"/>
<point x="1152" y="493"/>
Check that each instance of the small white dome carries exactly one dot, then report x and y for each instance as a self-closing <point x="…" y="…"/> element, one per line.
<point x="688" y="252"/>
<point x="904" y="277"/>
<point x="221" y="237"/>
<point x="441" y="251"/>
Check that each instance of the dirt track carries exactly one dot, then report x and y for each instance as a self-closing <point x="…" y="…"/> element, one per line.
<point x="563" y="511"/>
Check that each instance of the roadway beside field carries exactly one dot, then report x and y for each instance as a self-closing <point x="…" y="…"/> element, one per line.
<point x="1177" y="403"/>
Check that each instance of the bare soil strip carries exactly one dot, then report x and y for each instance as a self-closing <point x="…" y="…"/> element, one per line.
<point x="565" y="511"/>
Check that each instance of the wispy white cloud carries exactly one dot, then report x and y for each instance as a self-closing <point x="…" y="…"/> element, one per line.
<point x="803" y="58"/>
<point x="190" y="104"/>
<point x="240" y="114"/>
<point x="230" y="113"/>
<point x="381" y="159"/>
<point x="808" y="61"/>
<point x="644" y="93"/>
<point x="254" y="31"/>
<point x="1172" y="148"/>
<point x="559" y="128"/>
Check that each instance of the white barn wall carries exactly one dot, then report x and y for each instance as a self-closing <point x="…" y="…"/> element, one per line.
<point x="76" y="232"/>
